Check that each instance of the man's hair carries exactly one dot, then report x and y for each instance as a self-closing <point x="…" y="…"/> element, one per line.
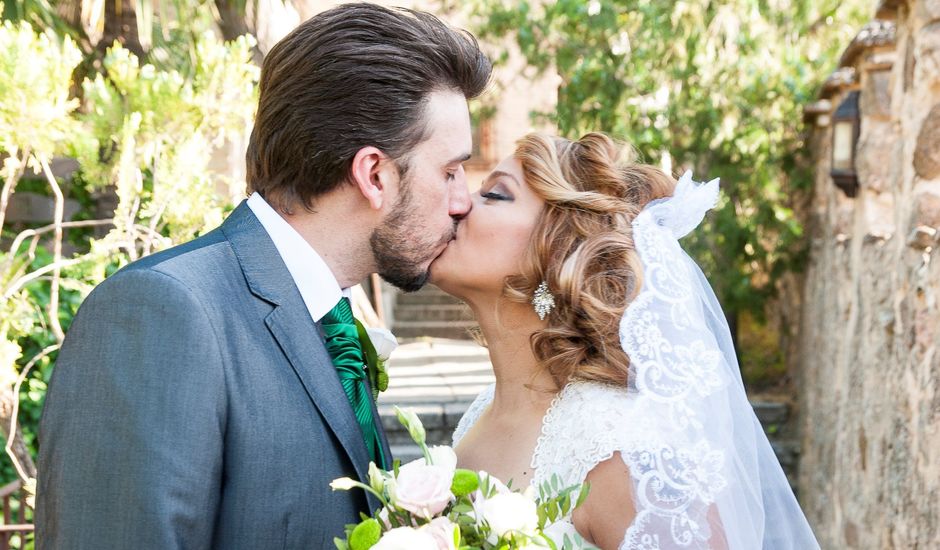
<point x="354" y="76"/>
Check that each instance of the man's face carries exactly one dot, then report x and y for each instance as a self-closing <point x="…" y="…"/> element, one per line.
<point x="433" y="196"/>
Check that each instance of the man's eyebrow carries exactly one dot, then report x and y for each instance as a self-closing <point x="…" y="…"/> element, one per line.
<point x="462" y="158"/>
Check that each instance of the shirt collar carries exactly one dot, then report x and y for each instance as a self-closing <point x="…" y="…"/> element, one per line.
<point x="317" y="285"/>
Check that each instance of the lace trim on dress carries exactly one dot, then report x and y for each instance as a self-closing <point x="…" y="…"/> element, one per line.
<point x="583" y="427"/>
<point x="473" y="413"/>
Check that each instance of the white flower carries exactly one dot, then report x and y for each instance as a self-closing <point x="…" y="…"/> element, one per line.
<point x="376" y="477"/>
<point x="594" y="7"/>
<point x="558" y="530"/>
<point x="494" y="482"/>
<point x="422" y="489"/>
<point x="442" y="529"/>
<point x="409" y="419"/>
<point x="342" y="484"/>
<point x="510" y="512"/>
<point x="406" y="538"/>
<point x="444" y="456"/>
<point x="620" y="45"/>
<point x="382" y="516"/>
<point x="383" y="341"/>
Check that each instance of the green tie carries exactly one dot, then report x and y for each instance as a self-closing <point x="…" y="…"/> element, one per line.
<point x="342" y="342"/>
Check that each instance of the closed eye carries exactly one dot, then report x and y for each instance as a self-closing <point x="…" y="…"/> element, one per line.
<point x="495" y="196"/>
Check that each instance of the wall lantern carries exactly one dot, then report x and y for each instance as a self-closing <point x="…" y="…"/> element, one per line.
<point x="845" y="131"/>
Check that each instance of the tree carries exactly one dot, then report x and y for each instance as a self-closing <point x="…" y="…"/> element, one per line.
<point x="713" y="86"/>
<point x="148" y="134"/>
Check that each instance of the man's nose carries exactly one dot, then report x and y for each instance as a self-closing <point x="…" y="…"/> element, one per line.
<point x="460" y="203"/>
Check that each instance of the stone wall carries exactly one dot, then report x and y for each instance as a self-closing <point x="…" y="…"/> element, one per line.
<point x="869" y="363"/>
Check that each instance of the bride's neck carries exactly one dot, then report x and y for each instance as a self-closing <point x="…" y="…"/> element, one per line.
<point x="520" y="381"/>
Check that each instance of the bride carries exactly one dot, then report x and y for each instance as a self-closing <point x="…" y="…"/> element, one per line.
<point x="613" y="361"/>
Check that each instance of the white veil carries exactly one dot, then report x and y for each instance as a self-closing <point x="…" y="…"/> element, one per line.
<point x="702" y="466"/>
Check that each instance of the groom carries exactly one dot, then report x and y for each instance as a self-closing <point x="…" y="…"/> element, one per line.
<point x="195" y="403"/>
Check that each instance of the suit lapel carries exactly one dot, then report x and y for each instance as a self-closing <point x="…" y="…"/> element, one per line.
<point x="383" y="438"/>
<point x="308" y="357"/>
<point x="296" y="333"/>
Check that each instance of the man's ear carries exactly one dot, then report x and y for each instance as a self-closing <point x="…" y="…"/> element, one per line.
<point x="374" y="175"/>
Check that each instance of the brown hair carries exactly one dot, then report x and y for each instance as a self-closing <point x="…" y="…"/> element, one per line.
<point x="353" y="76"/>
<point x="582" y="247"/>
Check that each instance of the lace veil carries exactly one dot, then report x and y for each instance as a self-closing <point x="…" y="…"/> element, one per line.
<point x="703" y="466"/>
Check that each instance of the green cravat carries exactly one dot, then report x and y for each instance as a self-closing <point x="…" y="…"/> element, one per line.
<point x="342" y="342"/>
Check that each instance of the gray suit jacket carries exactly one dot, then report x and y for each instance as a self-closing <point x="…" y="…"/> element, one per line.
<point x="193" y="405"/>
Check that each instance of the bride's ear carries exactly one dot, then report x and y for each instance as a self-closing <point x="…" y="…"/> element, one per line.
<point x="373" y="173"/>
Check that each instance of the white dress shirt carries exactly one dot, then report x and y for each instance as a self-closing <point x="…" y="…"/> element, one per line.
<point x="317" y="285"/>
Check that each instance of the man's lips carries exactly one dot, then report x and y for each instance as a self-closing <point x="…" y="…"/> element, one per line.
<point x="444" y="246"/>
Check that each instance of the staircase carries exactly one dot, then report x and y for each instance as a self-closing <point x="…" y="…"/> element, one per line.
<point x="438" y="379"/>
<point x="439" y="370"/>
<point x="432" y="313"/>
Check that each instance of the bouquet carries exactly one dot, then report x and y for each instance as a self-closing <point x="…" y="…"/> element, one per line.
<point x="430" y="504"/>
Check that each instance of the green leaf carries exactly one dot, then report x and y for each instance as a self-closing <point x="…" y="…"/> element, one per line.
<point x="583" y="494"/>
<point x="374" y="367"/>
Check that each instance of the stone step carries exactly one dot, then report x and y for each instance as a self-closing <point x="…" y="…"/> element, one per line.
<point x="434" y="416"/>
<point x="433" y="312"/>
<point x="425" y="297"/>
<point x="405" y="453"/>
<point x="456" y="409"/>
<point x="439" y="378"/>
<point x="440" y="423"/>
<point x="458" y="330"/>
<point x="440" y="420"/>
<point x="771" y="414"/>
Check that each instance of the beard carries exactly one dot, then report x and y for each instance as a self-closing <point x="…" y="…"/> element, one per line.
<point x="399" y="247"/>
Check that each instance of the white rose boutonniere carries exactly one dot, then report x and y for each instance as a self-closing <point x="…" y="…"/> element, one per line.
<point x="383" y="341"/>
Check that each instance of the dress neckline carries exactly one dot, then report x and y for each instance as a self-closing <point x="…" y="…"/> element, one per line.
<point x="540" y="443"/>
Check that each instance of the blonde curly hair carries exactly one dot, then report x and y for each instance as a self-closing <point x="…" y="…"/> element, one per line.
<point x="582" y="247"/>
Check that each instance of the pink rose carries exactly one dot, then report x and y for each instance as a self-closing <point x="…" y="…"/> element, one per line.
<point x="422" y="489"/>
<point x="442" y="529"/>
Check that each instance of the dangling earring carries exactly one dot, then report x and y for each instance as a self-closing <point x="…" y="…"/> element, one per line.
<point x="543" y="301"/>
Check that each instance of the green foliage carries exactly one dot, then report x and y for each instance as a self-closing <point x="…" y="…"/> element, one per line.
<point x="717" y="87"/>
<point x="164" y="125"/>
<point x="762" y="362"/>
<point x="35" y="110"/>
<point x="557" y="501"/>
<point x="466" y="512"/>
<point x="144" y="131"/>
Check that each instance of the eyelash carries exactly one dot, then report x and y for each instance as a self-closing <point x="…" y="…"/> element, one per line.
<point x="494" y="196"/>
<point x="451" y="176"/>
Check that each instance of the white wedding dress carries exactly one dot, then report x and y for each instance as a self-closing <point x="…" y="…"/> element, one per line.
<point x="584" y="426"/>
<point x="682" y="425"/>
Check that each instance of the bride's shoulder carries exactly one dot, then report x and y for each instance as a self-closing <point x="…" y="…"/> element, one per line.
<point x="582" y="398"/>
<point x="587" y="423"/>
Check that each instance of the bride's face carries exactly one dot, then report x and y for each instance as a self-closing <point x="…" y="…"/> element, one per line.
<point x="492" y="239"/>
